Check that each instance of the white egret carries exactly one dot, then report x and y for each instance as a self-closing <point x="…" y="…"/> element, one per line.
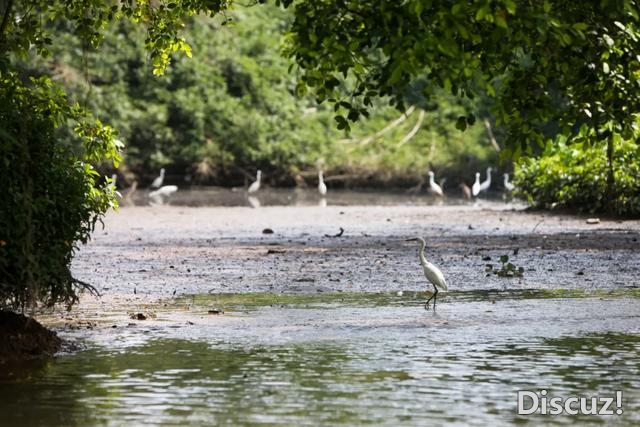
<point x="431" y="272"/>
<point x="484" y="186"/>
<point x="161" y="195"/>
<point x="157" y="183"/>
<point x="164" y="191"/>
<point x="433" y="187"/>
<point x="255" y="186"/>
<point x="475" y="188"/>
<point x="507" y="185"/>
<point x="322" y="187"/>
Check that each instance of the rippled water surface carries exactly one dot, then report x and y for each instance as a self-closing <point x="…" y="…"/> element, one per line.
<point x="368" y="359"/>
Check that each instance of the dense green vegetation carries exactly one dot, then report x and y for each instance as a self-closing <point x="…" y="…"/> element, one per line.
<point x="558" y="68"/>
<point x="574" y="177"/>
<point x="233" y="108"/>
<point x="50" y="200"/>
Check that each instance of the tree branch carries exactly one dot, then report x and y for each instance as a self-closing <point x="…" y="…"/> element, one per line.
<point x="5" y="17"/>
<point x="387" y="128"/>
<point x="492" y="138"/>
<point x="413" y="132"/>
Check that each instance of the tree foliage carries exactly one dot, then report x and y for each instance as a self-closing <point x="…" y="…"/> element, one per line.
<point x="51" y="196"/>
<point x="574" y="177"/>
<point x="558" y="68"/>
<point x="232" y="108"/>
<point x="50" y="199"/>
<point x="563" y="62"/>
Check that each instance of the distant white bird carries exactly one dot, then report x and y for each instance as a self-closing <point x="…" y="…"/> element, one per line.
<point x="487" y="182"/>
<point x="157" y="183"/>
<point x="433" y="187"/>
<point x="431" y="272"/>
<point x="322" y="187"/>
<point x="164" y="191"/>
<point x="507" y="185"/>
<point x="475" y="188"/>
<point x="255" y="186"/>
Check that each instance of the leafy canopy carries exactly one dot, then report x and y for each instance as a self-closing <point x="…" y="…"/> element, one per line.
<point x="562" y="63"/>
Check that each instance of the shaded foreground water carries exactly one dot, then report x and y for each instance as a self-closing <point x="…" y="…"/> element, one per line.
<point x="341" y="359"/>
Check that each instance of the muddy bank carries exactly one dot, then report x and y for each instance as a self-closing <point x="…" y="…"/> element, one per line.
<point x="23" y="338"/>
<point x="165" y="251"/>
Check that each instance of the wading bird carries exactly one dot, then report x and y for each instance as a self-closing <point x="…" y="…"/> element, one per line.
<point x="322" y="187"/>
<point x="255" y="186"/>
<point x="507" y="185"/>
<point x="487" y="182"/>
<point x="431" y="272"/>
<point x="162" y="194"/>
<point x="164" y="191"/>
<point x="157" y="183"/>
<point x="475" y="189"/>
<point x="433" y="187"/>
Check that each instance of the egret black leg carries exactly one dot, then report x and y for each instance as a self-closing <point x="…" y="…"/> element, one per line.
<point x="432" y="297"/>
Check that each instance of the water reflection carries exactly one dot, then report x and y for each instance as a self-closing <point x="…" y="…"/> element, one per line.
<point x="302" y="361"/>
<point x="172" y="381"/>
<point x="217" y="196"/>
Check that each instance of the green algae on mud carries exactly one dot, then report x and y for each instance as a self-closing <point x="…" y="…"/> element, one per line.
<point x="252" y="300"/>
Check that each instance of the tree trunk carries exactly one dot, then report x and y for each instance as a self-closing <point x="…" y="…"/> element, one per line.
<point x="611" y="181"/>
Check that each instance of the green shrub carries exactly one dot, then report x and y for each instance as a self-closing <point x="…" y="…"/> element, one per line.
<point x="574" y="176"/>
<point x="49" y="196"/>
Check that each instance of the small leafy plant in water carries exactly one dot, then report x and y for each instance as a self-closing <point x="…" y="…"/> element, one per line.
<point x="507" y="269"/>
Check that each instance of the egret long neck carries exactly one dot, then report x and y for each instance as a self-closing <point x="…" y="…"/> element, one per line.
<point x="423" y="258"/>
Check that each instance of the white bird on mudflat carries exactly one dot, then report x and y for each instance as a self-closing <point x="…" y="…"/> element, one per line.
<point x="157" y="183"/>
<point x="431" y="272"/>
<point x="164" y="191"/>
<point x="433" y="187"/>
<point x="475" y="188"/>
<point x="255" y="186"/>
<point x="507" y="185"/>
<point x="322" y="187"/>
<point x="484" y="186"/>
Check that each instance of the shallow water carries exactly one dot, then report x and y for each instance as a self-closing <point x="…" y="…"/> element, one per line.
<point x="334" y="359"/>
<point x="233" y="197"/>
